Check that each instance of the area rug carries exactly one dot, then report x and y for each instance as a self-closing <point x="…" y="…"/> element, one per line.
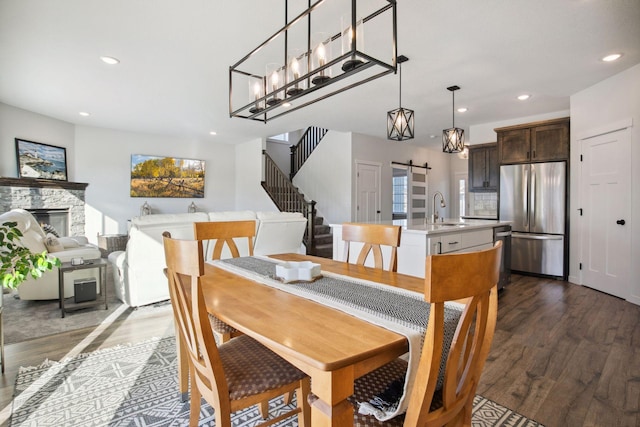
<point x="25" y="320"/>
<point x="136" y="385"/>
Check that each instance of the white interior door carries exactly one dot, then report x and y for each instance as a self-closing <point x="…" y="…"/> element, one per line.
<point x="606" y="198"/>
<point x="417" y="208"/>
<point x="368" y="191"/>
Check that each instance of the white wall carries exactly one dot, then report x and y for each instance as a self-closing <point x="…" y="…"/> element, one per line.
<point x="592" y="110"/>
<point x="102" y="158"/>
<point x="248" y="174"/>
<point x="281" y="155"/>
<point x="104" y="161"/>
<point x="326" y="177"/>
<point x="23" y="124"/>
<point x="384" y="151"/>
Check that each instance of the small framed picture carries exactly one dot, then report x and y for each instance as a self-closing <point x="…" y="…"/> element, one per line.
<point x="37" y="160"/>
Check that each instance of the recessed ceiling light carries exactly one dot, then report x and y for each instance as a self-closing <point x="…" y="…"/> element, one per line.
<point x="286" y="104"/>
<point x="110" y="60"/>
<point x="462" y="110"/>
<point x="213" y="132"/>
<point x="84" y="114"/>
<point x="612" y="57"/>
<point x="432" y="136"/>
<point x="524" y="97"/>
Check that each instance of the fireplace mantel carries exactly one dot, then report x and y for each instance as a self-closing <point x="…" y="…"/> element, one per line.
<point x="41" y="183"/>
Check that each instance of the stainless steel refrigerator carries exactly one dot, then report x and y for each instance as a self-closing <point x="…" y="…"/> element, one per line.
<point x="533" y="197"/>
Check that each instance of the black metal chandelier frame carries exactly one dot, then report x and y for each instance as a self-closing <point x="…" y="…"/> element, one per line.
<point x="274" y="110"/>
<point x="453" y="138"/>
<point x="400" y="122"/>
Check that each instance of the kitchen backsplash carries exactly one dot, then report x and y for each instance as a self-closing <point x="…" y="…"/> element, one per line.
<point x="483" y="204"/>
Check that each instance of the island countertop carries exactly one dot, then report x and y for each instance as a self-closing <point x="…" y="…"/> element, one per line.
<point x="419" y="239"/>
<point x="447" y="225"/>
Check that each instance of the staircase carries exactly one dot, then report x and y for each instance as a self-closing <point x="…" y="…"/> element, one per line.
<point x="288" y="198"/>
<point x="323" y="239"/>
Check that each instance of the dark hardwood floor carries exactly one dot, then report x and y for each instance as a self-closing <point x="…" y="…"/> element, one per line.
<point x="564" y="355"/>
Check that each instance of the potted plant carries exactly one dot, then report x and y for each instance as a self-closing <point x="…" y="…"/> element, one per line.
<point x="18" y="262"/>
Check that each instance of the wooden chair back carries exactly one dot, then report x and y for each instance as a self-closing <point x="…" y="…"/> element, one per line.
<point x="185" y="267"/>
<point x="223" y="232"/>
<point x="472" y="276"/>
<point x="373" y="236"/>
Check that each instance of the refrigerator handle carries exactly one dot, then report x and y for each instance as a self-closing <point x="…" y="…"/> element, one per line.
<point x="532" y="207"/>
<point x="525" y="200"/>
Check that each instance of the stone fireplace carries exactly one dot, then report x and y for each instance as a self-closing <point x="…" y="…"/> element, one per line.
<point x="42" y="195"/>
<point x="57" y="218"/>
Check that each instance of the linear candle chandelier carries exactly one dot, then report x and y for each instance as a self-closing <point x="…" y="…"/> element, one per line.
<point x="317" y="54"/>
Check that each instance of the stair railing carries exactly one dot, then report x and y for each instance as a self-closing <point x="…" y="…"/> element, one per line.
<point x="305" y="146"/>
<point x="287" y="197"/>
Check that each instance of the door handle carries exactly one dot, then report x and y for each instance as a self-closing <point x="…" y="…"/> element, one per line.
<point x="621" y="222"/>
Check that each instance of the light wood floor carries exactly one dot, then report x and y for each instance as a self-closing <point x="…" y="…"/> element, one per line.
<point x="563" y="355"/>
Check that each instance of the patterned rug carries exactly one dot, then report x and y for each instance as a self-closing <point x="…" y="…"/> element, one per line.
<point x="44" y="316"/>
<point x="135" y="385"/>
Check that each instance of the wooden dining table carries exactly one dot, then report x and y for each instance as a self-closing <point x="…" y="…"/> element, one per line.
<point x="331" y="346"/>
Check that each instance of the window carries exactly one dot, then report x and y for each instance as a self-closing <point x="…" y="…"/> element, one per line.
<point x="462" y="183"/>
<point x="400" y="197"/>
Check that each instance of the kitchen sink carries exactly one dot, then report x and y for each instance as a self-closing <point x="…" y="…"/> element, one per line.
<point x="445" y="224"/>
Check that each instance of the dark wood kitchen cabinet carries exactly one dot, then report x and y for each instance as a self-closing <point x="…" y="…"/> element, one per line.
<point x="534" y="142"/>
<point x="483" y="168"/>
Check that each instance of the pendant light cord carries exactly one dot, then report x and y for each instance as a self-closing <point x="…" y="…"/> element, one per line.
<point x="400" y="94"/>
<point x="453" y="109"/>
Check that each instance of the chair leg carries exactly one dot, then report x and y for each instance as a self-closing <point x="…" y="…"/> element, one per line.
<point x="304" y="416"/>
<point x="263" y="408"/>
<point x="288" y="398"/>
<point x="195" y="402"/>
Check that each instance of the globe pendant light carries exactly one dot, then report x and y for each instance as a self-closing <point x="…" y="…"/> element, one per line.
<point x="400" y="124"/>
<point x="453" y="138"/>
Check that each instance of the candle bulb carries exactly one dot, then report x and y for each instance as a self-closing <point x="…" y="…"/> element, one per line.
<point x="273" y="71"/>
<point x="296" y="68"/>
<point x="257" y="92"/>
<point x="294" y="74"/>
<point x="322" y="60"/>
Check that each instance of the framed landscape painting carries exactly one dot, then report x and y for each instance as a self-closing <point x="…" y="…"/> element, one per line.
<point x="37" y="160"/>
<point x="154" y="176"/>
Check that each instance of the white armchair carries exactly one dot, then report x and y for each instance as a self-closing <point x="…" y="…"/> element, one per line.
<point x="63" y="248"/>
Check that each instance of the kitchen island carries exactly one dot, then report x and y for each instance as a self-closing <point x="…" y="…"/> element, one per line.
<point x="419" y="239"/>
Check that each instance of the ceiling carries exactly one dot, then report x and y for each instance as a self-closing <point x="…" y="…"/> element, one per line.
<point x="175" y="57"/>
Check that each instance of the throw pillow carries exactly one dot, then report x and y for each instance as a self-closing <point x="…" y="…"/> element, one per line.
<point x="53" y="244"/>
<point x="68" y="242"/>
<point x="48" y="228"/>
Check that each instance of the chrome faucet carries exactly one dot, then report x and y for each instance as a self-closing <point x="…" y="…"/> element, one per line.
<point x="434" y="216"/>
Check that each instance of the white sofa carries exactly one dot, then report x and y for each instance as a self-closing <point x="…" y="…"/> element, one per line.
<point x="138" y="276"/>
<point x="63" y="248"/>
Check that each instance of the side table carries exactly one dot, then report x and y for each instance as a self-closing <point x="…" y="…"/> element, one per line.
<point x="65" y="267"/>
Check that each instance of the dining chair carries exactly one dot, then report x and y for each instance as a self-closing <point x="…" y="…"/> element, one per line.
<point x="374" y="236"/>
<point x="230" y="376"/>
<point x="223" y="233"/>
<point x="470" y="278"/>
